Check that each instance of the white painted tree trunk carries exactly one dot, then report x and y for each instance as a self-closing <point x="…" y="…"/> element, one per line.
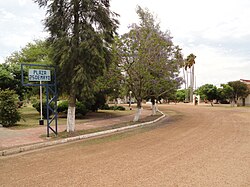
<point x="185" y="82"/>
<point x="137" y="114"/>
<point x="187" y="91"/>
<point x="191" y="83"/>
<point x="154" y="109"/>
<point x="71" y="119"/>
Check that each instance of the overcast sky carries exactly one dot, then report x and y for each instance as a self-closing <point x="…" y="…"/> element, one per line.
<point x="216" y="31"/>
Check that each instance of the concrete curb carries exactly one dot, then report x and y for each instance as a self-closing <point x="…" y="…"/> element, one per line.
<point x="71" y="139"/>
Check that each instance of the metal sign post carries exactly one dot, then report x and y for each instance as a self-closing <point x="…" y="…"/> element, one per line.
<point x="44" y="75"/>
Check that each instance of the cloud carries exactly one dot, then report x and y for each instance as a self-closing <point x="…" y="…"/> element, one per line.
<point x="217" y="32"/>
<point x="20" y="23"/>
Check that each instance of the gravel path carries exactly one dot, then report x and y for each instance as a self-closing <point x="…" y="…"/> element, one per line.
<point x="194" y="146"/>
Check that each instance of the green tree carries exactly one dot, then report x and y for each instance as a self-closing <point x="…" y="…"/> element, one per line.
<point x="81" y="32"/>
<point x="180" y="95"/>
<point x="208" y="92"/>
<point x="240" y="90"/>
<point x="37" y="51"/>
<point x="112" y="81"/>
<point x="225" y="93"/>
<point x="9" y="114"/>
<point x="10" y="78"/>
<point x="149" y="60"/>
<point x="5" y="77"/>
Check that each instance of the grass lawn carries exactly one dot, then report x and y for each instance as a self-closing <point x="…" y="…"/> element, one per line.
<point x="30" y="117"/>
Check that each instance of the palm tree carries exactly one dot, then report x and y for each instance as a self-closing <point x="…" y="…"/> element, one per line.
<point x="190" y="64"/>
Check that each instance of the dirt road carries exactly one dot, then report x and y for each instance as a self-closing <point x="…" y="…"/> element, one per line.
<point x="195" y="146"/>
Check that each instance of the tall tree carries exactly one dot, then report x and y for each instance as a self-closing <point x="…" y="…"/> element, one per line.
<point x="189" y="64"/>
<point x="81" y="32"/>
<point x="149" y="59"/>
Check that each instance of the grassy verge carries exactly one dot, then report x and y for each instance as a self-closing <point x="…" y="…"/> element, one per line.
<point x="65" y="134"/>
<point x="30" y="117"/>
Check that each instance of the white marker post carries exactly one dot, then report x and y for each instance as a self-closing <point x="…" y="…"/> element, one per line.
<point x="41" y="105"/>
<point x="40" y="75"/>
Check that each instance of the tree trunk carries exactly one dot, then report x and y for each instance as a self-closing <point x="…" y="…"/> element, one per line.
<point x="138" y="112"/>
<point x="191" y="83"/>
<point x="185" y="82"/>
<point x="71" y="113"/>
<point x="154" y="108"/>
<point x="187" y="91"/>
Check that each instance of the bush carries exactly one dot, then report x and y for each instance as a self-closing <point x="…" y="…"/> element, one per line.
<point x="95" y="103"/>
<point x="62" y="106"/>
<point x="9" y="114"/>
<point x="120" y="108"/>
<point x="44" y="105"/>
<point x="116" y="108"/>
<point x="80" y="107"/>
<point x="105" y="107"/>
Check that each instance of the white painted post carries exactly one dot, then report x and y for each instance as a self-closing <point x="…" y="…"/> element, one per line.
<point x="41" y="101"/>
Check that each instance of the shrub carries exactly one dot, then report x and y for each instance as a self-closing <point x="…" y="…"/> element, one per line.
<point x="44" y="105"/>
<point x="116" y="108"/>
<point x="62" y="106"/>
<point x="81" y="108"/>
<point x="9" y="114"/>
<point x="105" y="107"/>
<point x="120" y="108"/>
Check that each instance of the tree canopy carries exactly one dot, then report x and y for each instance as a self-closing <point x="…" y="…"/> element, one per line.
<point x="149" y="59"/>
<point x="81" y="33"/>
<point x="239" y="90"/>
<point x="37" y="51"/>
<point x="208" y="92"/>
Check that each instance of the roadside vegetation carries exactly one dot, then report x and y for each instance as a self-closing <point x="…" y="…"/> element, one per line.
<point x="95" y="66"/>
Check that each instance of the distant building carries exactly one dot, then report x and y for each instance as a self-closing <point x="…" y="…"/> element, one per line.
<point x="245" y="101"/>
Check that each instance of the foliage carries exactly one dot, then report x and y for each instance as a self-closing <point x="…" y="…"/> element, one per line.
<point x="189" y="61"/>
<point x="240" y="90"/>
<point x="10" y="78"/>
<point x="208" y="92"/>
<point x="149" y="59"/>
<point x="111" y="83"/>
<point x="36" y="52"/>
<point x="225" y="93"/>
<point x="81" y="108"/>
<point x="180" y="95"/>
<point x="81" y="34"/>
<point x="37" y="106"/>
<point x="117" y="108"/>
<point x="98" y="101"/>
<point x="105" y="107"/>
<point x="9" y="114"/>
<point x="62" y="107"/>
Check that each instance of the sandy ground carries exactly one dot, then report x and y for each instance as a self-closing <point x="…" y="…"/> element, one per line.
<point x="194" y="146"/>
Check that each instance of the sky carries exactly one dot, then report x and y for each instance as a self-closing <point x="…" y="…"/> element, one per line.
<point x="216" y="31"/>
